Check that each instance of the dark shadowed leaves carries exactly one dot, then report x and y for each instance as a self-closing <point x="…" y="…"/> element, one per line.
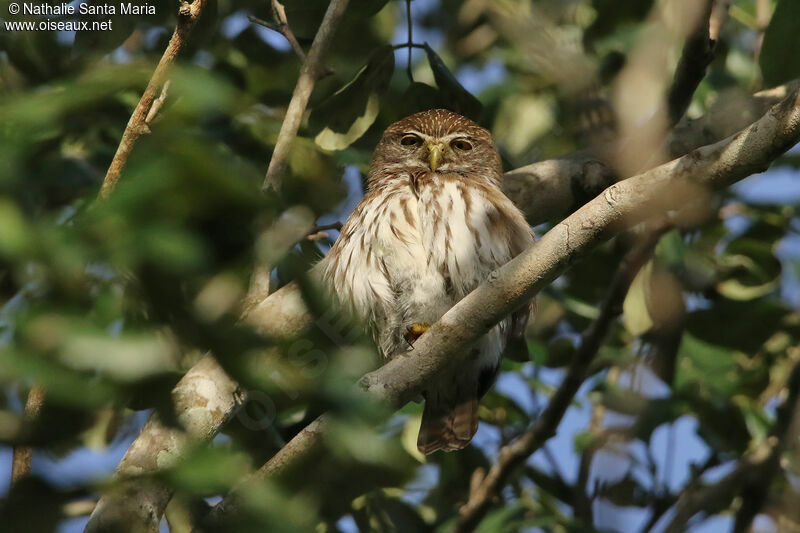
<point x="455" y="95"/>
<point x="778" y="64"/>
<point x="305" y="16"/>
<point x="348" y="114"/>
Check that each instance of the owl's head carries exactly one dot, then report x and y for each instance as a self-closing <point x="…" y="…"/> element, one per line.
<point x="438" y="142"/>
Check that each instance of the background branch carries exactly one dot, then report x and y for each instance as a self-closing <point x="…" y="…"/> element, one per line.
<point x="281" y="25"/>
<point x="756" y="468"/>
<point x="512" y="456"/>
<point x="188" y="15"/>
<point x="698" y="53"/>
<point x="302" y="92"/>
<point x="23" y="455"/>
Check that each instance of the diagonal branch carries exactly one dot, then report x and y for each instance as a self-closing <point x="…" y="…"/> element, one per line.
<point x="139" y="122"/>
<point x="23" y="455"/>
<point x="281" y="25"/>
<point x="188" y="15"/>
<point x="621" y="206"/>
<point x="515" y="454"/>
<point x="302" y="92"/>
<point x="697" y="55"/>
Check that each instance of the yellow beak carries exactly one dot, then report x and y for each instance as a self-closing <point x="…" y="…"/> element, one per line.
<point x="434" y="155"/>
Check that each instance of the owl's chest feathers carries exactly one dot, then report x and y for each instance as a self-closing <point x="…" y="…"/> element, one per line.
<point x="421" y="246"/>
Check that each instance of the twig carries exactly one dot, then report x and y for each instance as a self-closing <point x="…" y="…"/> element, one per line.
<point x="581" y="501"/>
<point x="325" y="227"/>
<point x="284" y="29"/>
<point x="697" y="55"/>
<point x="753" y="471"/>
<point x="188" y="14"/>
<point x="302" y="92"/>
<point x="320" y="232"/>
<point x="516" y="453"/>
<point x="762" y="21"/>
<point x="157" y="103"/>
<point x="274" y="27"/>
<point x="281" y="25"/>
<point x="23" y="455"/>
<point x="663" y="503"/>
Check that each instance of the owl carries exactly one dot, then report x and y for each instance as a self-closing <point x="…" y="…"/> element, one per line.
<point x="433" y="224"/>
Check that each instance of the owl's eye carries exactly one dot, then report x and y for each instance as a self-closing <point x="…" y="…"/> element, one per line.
<point x="410" y="140"/>
<point x="461" y="144"/>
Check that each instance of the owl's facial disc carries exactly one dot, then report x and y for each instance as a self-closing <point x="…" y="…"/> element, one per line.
<point x="437" y="153"/>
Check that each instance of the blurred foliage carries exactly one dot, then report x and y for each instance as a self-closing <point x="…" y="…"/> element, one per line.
<point x="107" y="304"/>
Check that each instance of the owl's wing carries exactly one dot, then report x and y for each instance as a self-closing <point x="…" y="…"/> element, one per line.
<point x="516" y="347"/>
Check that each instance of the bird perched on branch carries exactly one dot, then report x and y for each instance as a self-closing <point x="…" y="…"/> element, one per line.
<point x="431" y="227"/>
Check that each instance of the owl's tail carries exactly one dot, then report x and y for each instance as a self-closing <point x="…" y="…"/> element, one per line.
<point x="447" y="424"/>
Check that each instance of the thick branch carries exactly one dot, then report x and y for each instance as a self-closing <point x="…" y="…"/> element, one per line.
<point x="302" y="92"/>
<point x="621" y="206"/>
<point x="204" y="399"/>
<point x="188" y="14"/>
<point x="516" y="453"/>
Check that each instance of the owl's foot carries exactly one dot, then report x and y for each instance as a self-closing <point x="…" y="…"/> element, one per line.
<point x="415" y="331"/>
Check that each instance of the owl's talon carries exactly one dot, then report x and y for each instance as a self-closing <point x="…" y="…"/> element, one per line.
<point x="415" y="331"/>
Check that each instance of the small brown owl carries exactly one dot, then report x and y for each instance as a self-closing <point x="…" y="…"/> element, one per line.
<point x="431" y="227"/>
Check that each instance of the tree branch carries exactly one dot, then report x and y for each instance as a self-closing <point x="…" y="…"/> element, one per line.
<point x="751" y="470"/>
<point x="621" y="206"/>
<point x="302" y="92"/>
<point x="698" y="53"/>
<point x="510" y="457"/>
<point x="188" y="14"/>
<point x="23" y="455"/>
<point x="204" y="398"/>
<point x="281" y="25"/>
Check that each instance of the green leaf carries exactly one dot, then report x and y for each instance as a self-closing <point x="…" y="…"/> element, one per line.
<point x="409" y="438"/>
<point x="706" y="365"/>
<point x="456" y="96"/>
<point x="205" y="470"/>
<point x="636" y="316"/>
<point x="15" y="236"/>
<point x="420" y="97"/>
<point x="502" y="520"/>
<point x="740" y="325"/>
<point x="348" y="113"/>
<point x="778" y="61"/>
